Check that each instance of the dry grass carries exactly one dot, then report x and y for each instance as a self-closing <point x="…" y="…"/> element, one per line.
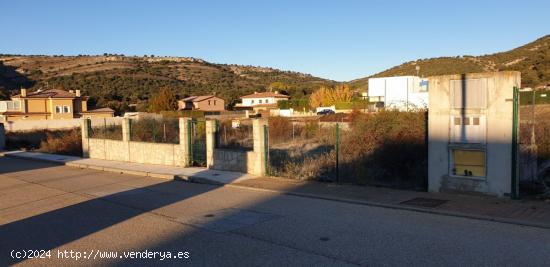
<point x="235" y="138"/>
<point x="65" y="143"/>
<point x="387" y="148"/>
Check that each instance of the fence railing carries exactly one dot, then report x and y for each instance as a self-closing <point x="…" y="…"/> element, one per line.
<point x="104" y="129"/>
<point x="164" y="130"/>
<point x="235" y="134"/>
<point x="387" y="148"/>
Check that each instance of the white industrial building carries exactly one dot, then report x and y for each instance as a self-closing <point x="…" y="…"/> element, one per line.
<point x="400" y="92"/>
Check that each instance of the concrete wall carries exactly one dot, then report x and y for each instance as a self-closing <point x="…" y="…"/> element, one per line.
<point x="233" y="160"/>
<point x="252" y="162"/>
<point x="138" y="152"/>
<point x="178" y="154"/>
<point x="497" y="141"/>
<point x="30" y="125"/>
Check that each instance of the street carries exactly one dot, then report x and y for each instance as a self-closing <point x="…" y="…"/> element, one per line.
<point x="69" y="216"/>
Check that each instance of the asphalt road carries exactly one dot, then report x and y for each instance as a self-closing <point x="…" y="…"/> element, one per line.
<point x="60" y="213"/>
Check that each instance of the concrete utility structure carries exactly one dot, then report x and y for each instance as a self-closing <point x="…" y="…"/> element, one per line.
<point x="470" y="132"/>
<point x="400" y="92"/>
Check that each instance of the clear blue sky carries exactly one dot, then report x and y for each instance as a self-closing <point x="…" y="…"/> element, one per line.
<point x="340" y="40"/>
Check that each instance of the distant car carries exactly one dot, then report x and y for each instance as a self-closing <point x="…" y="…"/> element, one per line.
<point x="325" y="112"/>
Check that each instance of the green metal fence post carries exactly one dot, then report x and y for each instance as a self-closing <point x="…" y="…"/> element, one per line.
<point x="266" y="150"/>
<point x="154" y="131"/>
<point x="89" y="125"/>
<point x="130" y="130"/>
<point x="337" y="152"/>
<point x="515" y="180"/>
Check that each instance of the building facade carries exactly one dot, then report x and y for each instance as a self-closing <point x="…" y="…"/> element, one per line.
<point x="49" y="104"/>
<point x="264" y="100"/>
<point x="401" y="92"/>
<point x="202" y="102"/>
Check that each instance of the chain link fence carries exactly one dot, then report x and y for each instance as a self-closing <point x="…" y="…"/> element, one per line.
<point x="197" y="139"/>
<point x="388" y="148"/>
<point x="302" y="150"/>
<point x="164" y="130"/>
<point x="103" y="129"/>
<point x="534" y="142"/>
<point x="235" y="134"/>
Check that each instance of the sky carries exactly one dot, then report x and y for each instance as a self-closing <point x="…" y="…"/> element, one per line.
<point x="338" y="40"/>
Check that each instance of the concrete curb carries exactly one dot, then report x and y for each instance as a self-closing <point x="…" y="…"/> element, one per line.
<point x="204" y="180"/>
<point x="399" y="207"/>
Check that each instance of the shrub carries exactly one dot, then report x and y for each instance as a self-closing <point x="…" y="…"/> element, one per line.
<point x="386" y="148"/>
<point x="62" y="142"/>
<point x="279" y="127"/>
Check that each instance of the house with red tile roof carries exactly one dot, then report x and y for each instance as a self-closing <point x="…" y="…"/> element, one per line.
<point x="202" y="102"/>
<point x="259" y="101"/>
<point x="48" y="105"/>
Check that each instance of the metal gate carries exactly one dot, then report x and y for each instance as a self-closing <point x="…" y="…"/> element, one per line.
<point x="197" y="142"/>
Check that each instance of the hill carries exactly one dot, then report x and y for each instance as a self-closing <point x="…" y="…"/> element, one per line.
<point x="532" y="60"/>
<point x="118" y="81"/>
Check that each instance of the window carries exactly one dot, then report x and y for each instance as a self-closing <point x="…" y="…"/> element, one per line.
<point x="260" y="101"/>
<point x="423" y="86"/>
<point x="252" y="101"/>
<point x="214" y="102"/>
<point x="57" y="109"/>
<point x="209" y="102"/>
<point x="469" y="93"/>
<point x="66" y="109"/>
<point x="468" y="163"/>
<point x="267" y="101"/>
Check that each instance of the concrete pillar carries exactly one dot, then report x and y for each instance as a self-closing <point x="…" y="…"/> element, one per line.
<point x="258" y="135"/>
<point x="210" y="142"/>
<point x="84" y="127"/>
<point x="185" y="136"/>
<point x="126" y="130"/>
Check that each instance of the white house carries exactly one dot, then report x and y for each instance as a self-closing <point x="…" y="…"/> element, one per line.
<point x="261" y="100"/>
<point x="400" y="92"/>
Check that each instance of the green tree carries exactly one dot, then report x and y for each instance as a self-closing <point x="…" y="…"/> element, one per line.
<point x="165" y="100"/>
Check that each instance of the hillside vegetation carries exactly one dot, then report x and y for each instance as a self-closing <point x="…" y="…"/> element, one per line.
<point x="532" y="60"/>
<point x="118" y="81"/>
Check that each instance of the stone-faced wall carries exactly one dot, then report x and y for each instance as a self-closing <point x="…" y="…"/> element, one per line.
<point x="233" y="160"/>
<point x="252" y="162"/>
<point x="178" y="154"/>
<point x="138" y="152"/>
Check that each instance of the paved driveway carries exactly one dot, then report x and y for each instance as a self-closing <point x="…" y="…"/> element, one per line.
<point x="61" y="213"/>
